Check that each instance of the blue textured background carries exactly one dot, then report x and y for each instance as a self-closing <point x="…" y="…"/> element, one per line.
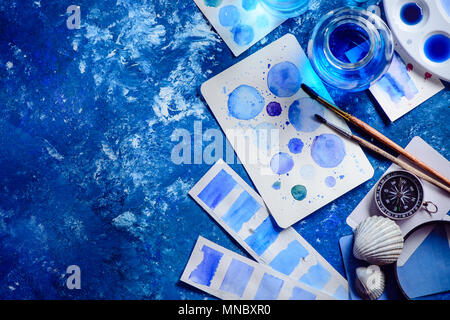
<point x="85" y="122"/>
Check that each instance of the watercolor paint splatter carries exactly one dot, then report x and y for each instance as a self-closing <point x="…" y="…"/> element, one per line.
<point x="269" y="287"/>
<point x="266" y="233"/>
<point x="301" y="114"/>
<point x="205" y="271"/>
<point x="217" y="189"/>
<point x="237" y="277"/>
<point x="245" y="102"/>
<point x="328" y="150"/>
<point x="281" y="163"/>
<point x="295" y="145"/>
<point x="301" y="294"/>
<point x="241" y="211"/>
<point x="317" y="276"/>
<point x="299" y="192"/>
<point x="276" y="185"/>
<point x="284" y="79"/>
<point x="273" y="109"/>
<point x="288" y="259"/>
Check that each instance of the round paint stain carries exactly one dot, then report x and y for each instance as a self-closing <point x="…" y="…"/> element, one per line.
<point x="249" y="5"/>
<point x="243" y="34"/>
<point x="273" y="109"/>
<point x="213" y="3"/>
<point x="229" y="16"/>
<point x="301" y="114"/>
<point x="284" y="79"/>
<point x="266" y="139"/>
<point x="298" y="192"/>
<point x="281" y="163"/>
<point x="328" y="150"/>
<point x="276" y="185"/>
<point x="245" y="102"/>
<point x="437" y="48"/>
<point x="307" y="172"/>
<point x="330" y="181"/>
<point x="411" y="13"/>
<point x="295" y="145"/>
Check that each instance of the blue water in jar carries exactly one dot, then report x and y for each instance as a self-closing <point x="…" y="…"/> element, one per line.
<point x="411" y="13"/>
<point x="285" y="8"/>
<point x="437" y="48"/>
<point x="349" y="43"/>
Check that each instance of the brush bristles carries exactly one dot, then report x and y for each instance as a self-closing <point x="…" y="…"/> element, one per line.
<point x="320" y="118"/>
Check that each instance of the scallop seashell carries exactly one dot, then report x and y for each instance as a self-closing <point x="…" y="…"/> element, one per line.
<point x="378" y="240"/>
<point x="370" y="282"/>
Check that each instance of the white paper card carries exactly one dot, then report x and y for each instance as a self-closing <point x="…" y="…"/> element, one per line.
<point x="241" y="212"/>
<point x="297" y="164"/>
<point x="239" y="23"/>
<point x="405" y="86"/>
<point x="427" y="154"/>
<point x="229" y="276"/>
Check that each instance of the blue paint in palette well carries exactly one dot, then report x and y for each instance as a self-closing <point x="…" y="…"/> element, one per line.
<point x="236" y="277"/>
<point x="411" y="13"/>
<point x="217" y="189"/>
<point x="437" y="48"/>
<point x="427" y="270"/>
<point x="205" y="271"/>
<point x="266" y="234"/>
<point x="317" y="276"/>
<point x="269" y="288"/>
<point x="288" y="259"/>
<point x="301" y="294"/>
<point x="241" y="211"/>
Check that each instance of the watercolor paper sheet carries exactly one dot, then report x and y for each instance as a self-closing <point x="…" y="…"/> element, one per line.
<point x="427" y="154"/>
<point x="240" y="23"/>
<point x="405" y="86"/>
<point x="241" y="212"/>
<point x="297" y="164"/>
<point x="229" y="276"/>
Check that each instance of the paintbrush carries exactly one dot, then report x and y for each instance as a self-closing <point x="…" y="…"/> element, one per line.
<point x="374" y="133"/>
<point x="383" y="153"/>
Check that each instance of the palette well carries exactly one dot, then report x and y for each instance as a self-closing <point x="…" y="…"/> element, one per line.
<point x="241" y="212"/>
<point x="240" y="23"/>
<point x="297" y="164"/>
<point x="229" y="276"/>
<point x="422" y="28"/>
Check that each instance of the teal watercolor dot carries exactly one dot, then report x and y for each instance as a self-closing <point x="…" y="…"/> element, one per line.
<point x="213" y="3"/>
<point x="276" y="185"/>
<point x="298" y="192"/>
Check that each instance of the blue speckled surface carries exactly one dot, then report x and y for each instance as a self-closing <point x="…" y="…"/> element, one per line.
<point x="85" y="122"/>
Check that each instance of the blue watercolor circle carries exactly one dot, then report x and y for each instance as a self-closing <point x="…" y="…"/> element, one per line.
<point x="330" y="181"/>
<point x="245" y="102"/>
<point x="281" y="163"/>
<point x="301" y="114"/>
<point x="273" y="109"/>
<point x="284" y="79"/>
<point x="229" y="16"/>
<point x="328" y="150"/>
<point x="243" y="34"/>
<point x="295" y="145"/>
<point x="249" y="5"/>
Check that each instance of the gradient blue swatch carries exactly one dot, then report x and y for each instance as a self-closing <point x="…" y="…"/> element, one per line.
<point x="269" y="287"/>
<point x="241" y="211"/>
<point x="289" y="258"/>
<point x="237" y="277"/>
<point x="301" y="294"/>
<point x="205" y="271"/>
<point x="317" y="276"/>
<point x="266" y="233"/>
<point x="217" y="189"/>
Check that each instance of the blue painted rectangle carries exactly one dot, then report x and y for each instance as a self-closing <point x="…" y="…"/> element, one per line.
<point x="217" y="189"/>
<point x="288" y="259"/>
<point x="269" y="287"/>
<point x="241" y="211"/>
<point x="266" y="234"/>
<point x="300" y="294"/>
<point x="237" y="277"/>
<point x="205" y="271"/>
<point x="316" y="277"/>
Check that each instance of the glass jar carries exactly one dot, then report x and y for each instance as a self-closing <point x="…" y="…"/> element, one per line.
<point x="351" y="48"/>
<point x="285" y="8"/>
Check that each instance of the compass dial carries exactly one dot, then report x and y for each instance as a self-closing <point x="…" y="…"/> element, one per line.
<point x="399" y="195"/>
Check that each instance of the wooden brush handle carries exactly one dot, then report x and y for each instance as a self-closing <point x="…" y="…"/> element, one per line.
<point x="374" y="133"/>
<point x="400" y="163"/>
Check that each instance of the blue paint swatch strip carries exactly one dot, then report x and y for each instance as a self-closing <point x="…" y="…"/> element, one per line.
<point x="219" y="187"/>
<point x="205" y="271"/>
<point x="301" y="294"/>
<point x="269" y="288"/>
<point x="237" y="277"/>
<point x="288" y="259"/>
<point x="266" y="234"/>
<point x="241" y="211"/>
<point x="316" y="277"/>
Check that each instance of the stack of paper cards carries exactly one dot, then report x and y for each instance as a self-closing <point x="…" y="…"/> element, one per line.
<point x="229" y="276"/>
<point x="240" y="23"/>
<point x="242" y="213"/>
<point x="297" y="164"/>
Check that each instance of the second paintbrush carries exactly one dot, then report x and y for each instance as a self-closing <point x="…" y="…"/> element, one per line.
<point x="383" y="153"/>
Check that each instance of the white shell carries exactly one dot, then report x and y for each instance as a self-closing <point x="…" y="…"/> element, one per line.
<point x="378" y="240"/>
<point x="370" y="282"/>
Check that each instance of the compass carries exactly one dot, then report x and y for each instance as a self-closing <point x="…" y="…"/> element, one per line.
<point x="399" y="195"/>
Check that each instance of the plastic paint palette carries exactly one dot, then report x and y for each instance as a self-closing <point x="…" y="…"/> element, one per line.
<point x="422" y="29"/>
